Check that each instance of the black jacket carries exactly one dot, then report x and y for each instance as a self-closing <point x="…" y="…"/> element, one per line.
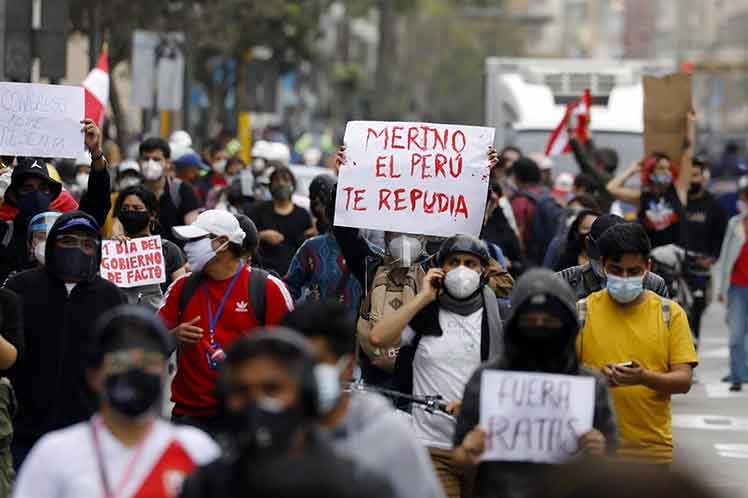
<point x="96" y="201"/>
<point x="584" y="281"/>
<point x="517" y="479"/>
<point x="317" y="473"/>
<point x="50" y="376"/>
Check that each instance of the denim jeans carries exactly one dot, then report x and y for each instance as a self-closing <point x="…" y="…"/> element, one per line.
<point x="737" y="321"/>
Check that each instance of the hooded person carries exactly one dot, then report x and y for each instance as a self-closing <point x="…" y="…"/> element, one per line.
<point x="33" y="190"/>
<point x="539" y="337"/>
<point x="65" y="295"/>
<point x="589" y="277"/>
<point x="445" y="332"/>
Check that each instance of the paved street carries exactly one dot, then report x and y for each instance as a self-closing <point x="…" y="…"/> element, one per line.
<point x="710" y="423"/>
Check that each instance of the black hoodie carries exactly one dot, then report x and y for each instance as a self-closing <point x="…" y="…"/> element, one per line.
<point x="50" y="377"/>
<point x="517" y="479"/>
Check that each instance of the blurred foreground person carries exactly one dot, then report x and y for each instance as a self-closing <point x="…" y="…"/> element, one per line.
<point x="125" y="449"/>
<point x="614" y="479"/>
<point x="363" y="425"/>
<point x="272" y="392"/>
<point x="539" y="337"/>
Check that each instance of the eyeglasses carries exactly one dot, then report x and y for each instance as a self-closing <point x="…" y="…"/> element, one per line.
<point x="120" y="361"/>
<point x="86" y="244"/>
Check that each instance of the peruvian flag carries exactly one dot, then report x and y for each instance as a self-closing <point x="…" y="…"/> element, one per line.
<point x="577" y="116"/>
<point x="97" y="89"/>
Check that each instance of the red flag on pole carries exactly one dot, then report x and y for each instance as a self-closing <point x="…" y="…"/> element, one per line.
<point x="578" y="114"/>
<point x="97" y="89"/>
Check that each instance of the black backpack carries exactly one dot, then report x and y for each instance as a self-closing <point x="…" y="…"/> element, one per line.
<point x="257" y="284"/>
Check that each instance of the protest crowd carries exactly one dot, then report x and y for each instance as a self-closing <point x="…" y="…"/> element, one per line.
<point x="431" y="318"/>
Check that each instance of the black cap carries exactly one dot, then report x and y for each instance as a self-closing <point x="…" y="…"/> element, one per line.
<point x="128" y="326"/>
<point x="27" y="167"/>
<point x="251" y="239"/>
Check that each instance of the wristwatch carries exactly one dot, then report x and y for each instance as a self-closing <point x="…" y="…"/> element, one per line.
<point x="94" y="159"/>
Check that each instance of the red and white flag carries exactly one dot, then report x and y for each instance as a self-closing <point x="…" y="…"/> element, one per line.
<point x="578" y="115"/>
<point x="97" y="89"/>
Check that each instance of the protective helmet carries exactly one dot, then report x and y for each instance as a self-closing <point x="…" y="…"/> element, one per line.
<point x="463" y="243"/>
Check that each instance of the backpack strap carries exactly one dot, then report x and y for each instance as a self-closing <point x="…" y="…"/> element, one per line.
<point x="665" y="310"/>
<point x="174" y="191"/>
<point x="582" y="312"/>
<point x="188" y="290"/>
<point x="257" y="293"/>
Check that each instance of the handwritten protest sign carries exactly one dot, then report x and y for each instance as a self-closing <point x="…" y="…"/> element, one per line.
<point x="420" y="178"/>
<point x="41" y="120"/>
<point x="134" y="262"/>
<point x="667" y="100"/>
<point x="532" y="417"/>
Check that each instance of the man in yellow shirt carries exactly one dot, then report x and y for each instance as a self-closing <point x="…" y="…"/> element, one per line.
<point x="641" y="342"/>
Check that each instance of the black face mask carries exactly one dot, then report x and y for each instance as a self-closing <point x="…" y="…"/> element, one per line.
<point x="72" y="263"/>
<point x="134" y="221"/>
<point x="34" y="203"/>
<point x="262" y="430"/>
<point x="542" y="349"/>
<point x="132" y="393"/>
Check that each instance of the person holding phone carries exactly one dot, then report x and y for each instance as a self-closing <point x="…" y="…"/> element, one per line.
<point x="640" y="341"/>
<point x="449" y="328"/>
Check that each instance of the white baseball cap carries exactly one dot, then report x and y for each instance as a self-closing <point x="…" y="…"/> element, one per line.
<point x="212" y="222"/>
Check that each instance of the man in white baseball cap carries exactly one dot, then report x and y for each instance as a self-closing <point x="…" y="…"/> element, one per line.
<point x="207" y="310"/>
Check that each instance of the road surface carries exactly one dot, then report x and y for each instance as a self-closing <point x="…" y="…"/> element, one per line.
<point x="710" y="424"/>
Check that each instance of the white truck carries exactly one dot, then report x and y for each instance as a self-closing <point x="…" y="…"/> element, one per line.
<point x="527" y="98"/>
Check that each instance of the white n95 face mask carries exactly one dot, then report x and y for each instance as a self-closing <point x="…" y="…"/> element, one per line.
<point x="405" y="250"/>
<point x="200" y="252"/>
<point x="152" y="170"/>
<point x="462" y="282"/>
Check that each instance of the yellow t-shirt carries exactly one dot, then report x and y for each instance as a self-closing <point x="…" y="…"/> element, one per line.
<point x="106" y="230"/>
<point x="616" y="334"/>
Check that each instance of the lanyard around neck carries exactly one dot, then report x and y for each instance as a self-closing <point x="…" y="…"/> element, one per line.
<point x="213" y="320"/>
<point x="105" y="484"/>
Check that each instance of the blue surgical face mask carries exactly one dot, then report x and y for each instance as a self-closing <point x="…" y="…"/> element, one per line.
<point x="662" y="178"/>
<point x="624" y="290"/>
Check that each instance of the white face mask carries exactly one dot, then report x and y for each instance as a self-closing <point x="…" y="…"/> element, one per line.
<point x="220" y="166"/>
<point x="405" y="250"/>
<point x="462" y="282"/>
<point x="128" y="181"/>
<point x="200" y="252"/>
<point x="82" y="180"/>
<point x="152" y="170"/>
<point x="39" y="252"/>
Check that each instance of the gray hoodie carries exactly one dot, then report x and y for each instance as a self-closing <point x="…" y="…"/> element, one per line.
<point x="381" y="439"/>
<point x="517" y="479"/>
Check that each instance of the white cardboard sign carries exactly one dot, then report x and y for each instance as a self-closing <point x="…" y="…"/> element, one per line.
<point x="41" y="120"/>
<point x="531" y="417"/>
<point x="419" y="178"/>
<point x="134" y="262"/>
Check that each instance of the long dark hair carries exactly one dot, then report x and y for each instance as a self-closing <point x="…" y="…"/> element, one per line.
<point x="145" y="195"/>
<point x="574" y="245"/>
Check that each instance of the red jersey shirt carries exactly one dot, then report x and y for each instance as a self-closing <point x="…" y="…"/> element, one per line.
<point x="193" y="388"/>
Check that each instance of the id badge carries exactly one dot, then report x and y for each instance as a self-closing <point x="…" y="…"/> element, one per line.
<point x="214" y="355"/>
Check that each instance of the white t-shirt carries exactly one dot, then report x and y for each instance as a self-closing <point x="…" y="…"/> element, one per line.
<point x="63" y="464"/>
<point x="443" y="365"/>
